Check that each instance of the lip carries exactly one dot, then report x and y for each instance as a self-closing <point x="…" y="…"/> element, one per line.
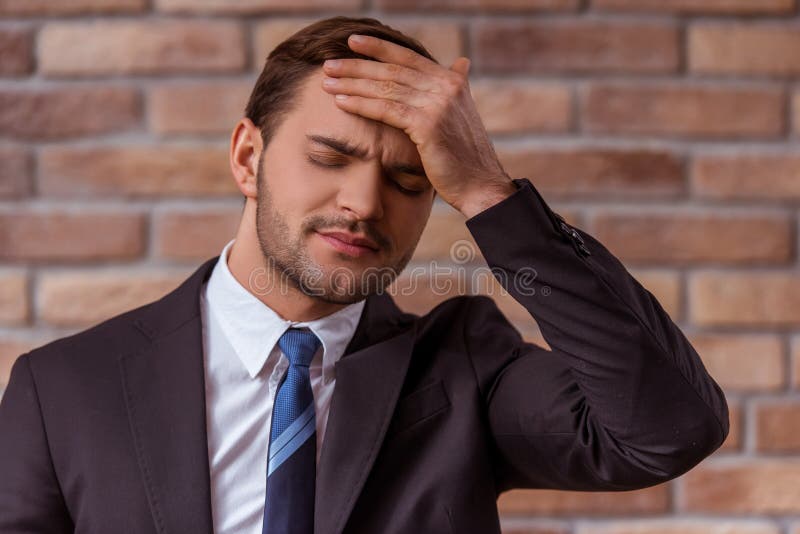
<point x="349" y="243"/>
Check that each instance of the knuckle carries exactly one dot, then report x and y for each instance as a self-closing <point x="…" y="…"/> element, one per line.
<point x="386" y="87"/>
<point x="394" y="69"/>
<point x="403" y="111"/>
<point x="387" y="108"/>
<point x="455" y="83"/>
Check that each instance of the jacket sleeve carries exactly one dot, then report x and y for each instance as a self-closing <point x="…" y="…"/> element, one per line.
<point x="622" y="401"/>
<point x="30" y="497"/>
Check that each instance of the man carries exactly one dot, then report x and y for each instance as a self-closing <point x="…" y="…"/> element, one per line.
<point x="279" y="388"/>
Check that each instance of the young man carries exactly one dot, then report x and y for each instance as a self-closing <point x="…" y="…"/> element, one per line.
<point x="279" y="388"/>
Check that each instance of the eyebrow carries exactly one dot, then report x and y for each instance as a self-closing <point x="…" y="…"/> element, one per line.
<point x="348" y="149"/>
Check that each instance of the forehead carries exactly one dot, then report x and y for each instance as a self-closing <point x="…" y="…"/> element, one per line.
<point x="318" y="113"/>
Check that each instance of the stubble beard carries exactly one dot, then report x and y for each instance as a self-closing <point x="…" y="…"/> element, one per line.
<point x="287" y="258"/>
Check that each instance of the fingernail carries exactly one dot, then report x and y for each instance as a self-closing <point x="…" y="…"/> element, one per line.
<point x="332" y="63"/>
<point x="357" y="38"/>
<point x="341" y="97"/>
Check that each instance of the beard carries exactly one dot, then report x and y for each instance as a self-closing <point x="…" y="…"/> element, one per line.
<point x="289" y="262"/>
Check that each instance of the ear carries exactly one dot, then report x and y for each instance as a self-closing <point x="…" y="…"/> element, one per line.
<point x="245" y="153"/>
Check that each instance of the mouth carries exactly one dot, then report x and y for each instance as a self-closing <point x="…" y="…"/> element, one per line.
<point x="349" y="244"/>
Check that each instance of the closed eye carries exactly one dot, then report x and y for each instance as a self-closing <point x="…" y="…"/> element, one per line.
<point x="329" y="165"/>
<point x="404" y="190"/>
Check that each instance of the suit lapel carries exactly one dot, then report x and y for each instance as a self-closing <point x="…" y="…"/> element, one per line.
<point x="369" y="378"/>
<point x="164" y="389"/>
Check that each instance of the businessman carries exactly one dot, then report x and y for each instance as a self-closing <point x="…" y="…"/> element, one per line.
<point x="279" y="389"/>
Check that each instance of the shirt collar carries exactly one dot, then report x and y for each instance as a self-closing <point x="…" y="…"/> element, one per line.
<point x="253" y="328"/>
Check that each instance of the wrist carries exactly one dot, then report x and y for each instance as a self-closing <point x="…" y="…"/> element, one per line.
<point x="487" y="196"/>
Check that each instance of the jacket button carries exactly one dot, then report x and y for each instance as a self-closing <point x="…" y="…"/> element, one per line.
<point x="575" y="237"/>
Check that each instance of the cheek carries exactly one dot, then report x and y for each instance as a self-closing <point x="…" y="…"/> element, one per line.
<point x="300" y="190"/>
<point x="409" y="220"/>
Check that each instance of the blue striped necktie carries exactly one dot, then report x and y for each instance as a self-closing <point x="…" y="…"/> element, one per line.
<point x="292" y="468"/>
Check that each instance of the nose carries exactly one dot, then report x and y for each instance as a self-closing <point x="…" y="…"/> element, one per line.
<point x="360" y="193"/>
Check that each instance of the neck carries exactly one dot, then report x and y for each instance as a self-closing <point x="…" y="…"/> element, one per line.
<point x="245" y="259"/>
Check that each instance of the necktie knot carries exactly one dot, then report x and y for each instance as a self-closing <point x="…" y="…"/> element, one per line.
<point x="299" y="346"/>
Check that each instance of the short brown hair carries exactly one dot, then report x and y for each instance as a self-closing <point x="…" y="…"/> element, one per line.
<point x="293" y="60"/>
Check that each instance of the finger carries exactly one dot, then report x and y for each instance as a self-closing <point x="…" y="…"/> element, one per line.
<point x="385" y="89"/>
<point x="390" y="52"/>
<point x="461" y="66"/>
<point x="376" y="70"/>
<point x="393" y="113"/>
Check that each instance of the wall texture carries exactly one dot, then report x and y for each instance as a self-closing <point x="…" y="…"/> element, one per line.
<point x="666" y="128"/>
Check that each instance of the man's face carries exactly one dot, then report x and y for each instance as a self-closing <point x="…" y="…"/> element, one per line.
<point x="375" y="195"/>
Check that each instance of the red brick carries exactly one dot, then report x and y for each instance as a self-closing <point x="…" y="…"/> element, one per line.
<point x="12" y="346"/>
<point x="665" y="287"/>
<point x="447" y="240"/>
<point x="652" y="500"/>
<point x="734" y="7"/>
<point x="742" y="362"/>
<point x="444" y="40"/>
<point x="446" y="235"/>
<point x="16" y="52"/>
<point x="417" y="290"/>
<point x="69" y="7"/>
<point x="15" y="172"/>
<point x="252" y="6"/>
<point x="14" y="302"/>
<point x="184" y="108"/>
<point x="269" y="33"/>
<point x="691" y="237"/>
<point x="140" y="47"/>
<point x="163" y="170"/>
<point x="596" y="172"/>
<point x="778" y="426"/>
<point x="680" y="526"/>
<point x="67" y="235"/>
<point x="796" y="112"/>
<point x="744" y="49"/>
<point x="743" y="486"/>
<point x="482" y="5"/>
<point x="746" y="176"/>
<point x="83" y="298"/>
<point x="745" y="298"/>
<point x="533" y="526"/>
<point x="195" y="234"/>
<point x="484" y="283"/>
<point x="733" y="442"/>
<point x="571" y="46"/>
<point x="58" y="113"/>
<point x="427" y="282"/>
<point x="684" y="110"/>
<point x="518" y="107"/>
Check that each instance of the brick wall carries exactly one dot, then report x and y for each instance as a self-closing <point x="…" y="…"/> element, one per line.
<point x="666" y="128"/>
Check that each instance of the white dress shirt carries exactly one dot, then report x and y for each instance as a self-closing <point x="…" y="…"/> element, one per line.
<point x="243" y="368"/>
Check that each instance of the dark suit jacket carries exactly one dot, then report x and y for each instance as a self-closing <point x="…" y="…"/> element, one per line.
<point x="432" y="417"/>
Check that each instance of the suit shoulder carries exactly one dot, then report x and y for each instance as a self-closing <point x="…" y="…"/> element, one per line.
<point x="105" y="339"/>
<point x="130" y="330"/>
<point x="459" y="309"/>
